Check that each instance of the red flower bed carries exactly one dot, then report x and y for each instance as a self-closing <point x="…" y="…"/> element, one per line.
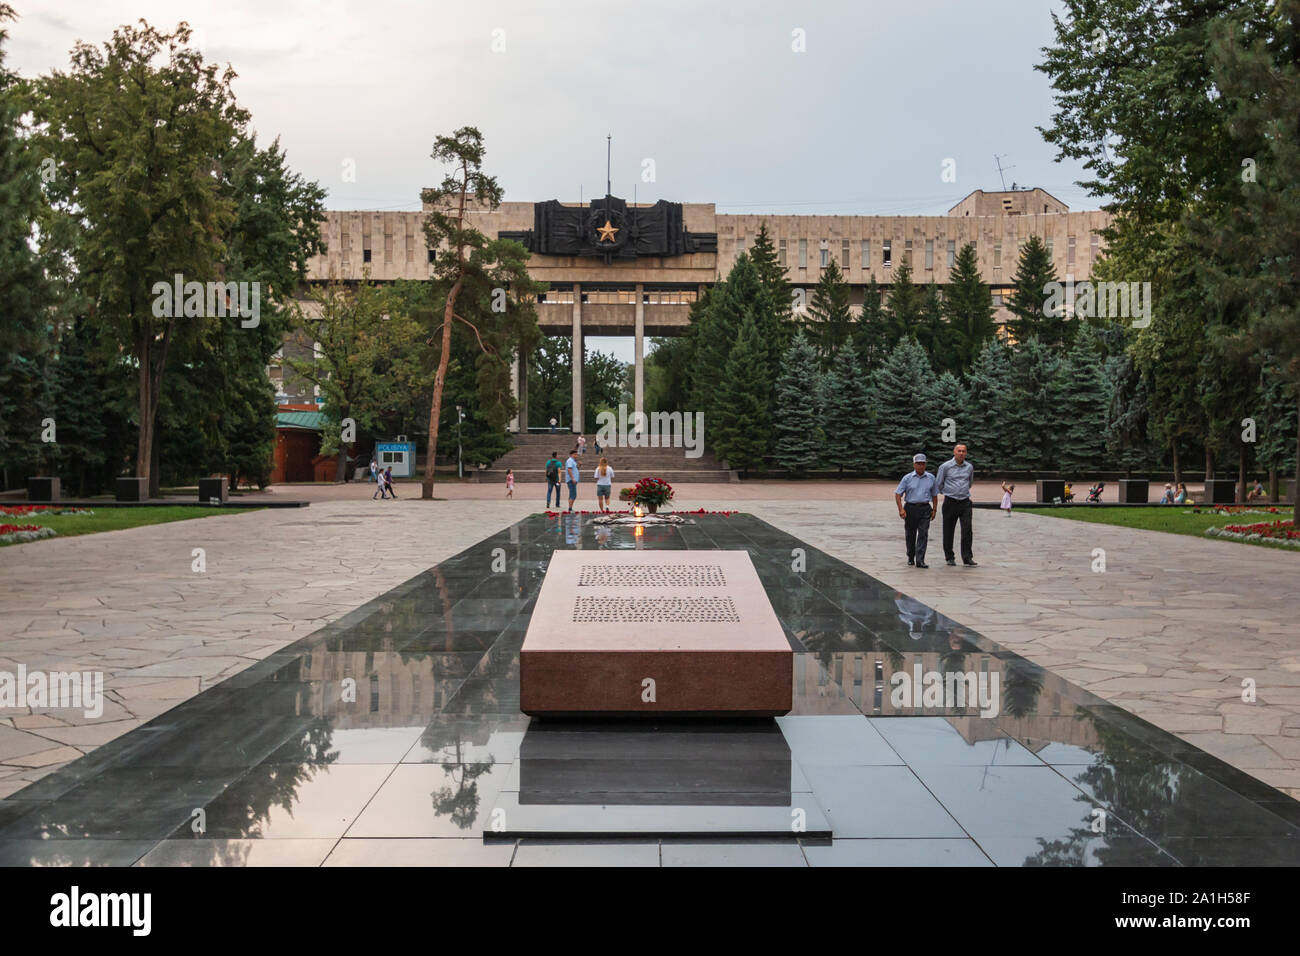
<point x="15" y="528"/>
<point x="1284" y="530"/>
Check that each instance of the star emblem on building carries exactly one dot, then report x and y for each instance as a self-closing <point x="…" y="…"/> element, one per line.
<point x="606" y="232"/>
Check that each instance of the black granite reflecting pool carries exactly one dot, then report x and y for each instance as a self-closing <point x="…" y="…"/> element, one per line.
<point x="394" y="736"/>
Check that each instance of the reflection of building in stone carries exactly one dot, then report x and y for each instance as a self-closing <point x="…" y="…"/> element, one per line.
<point x="636" y="288"/>
<point x="392" y="688"/>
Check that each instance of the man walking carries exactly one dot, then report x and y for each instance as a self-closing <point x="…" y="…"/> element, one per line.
<point x="917" y="501"/>
<point x="553" y="466"/>
<point x="954" y="482"/>
<point x="571" y="476"/>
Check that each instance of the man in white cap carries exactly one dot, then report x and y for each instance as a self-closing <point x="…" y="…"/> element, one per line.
<point x="918" y="500"/>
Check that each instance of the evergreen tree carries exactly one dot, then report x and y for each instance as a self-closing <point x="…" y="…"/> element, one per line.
<point x="985" y="428"/>
<point x="968" y="305"/>
<point x="1081" y="408"/>
<point x="1034" y="270"/>
<point x="951" y="401"/>
<point x="904" y="309"/>
<point x="904" y="402"/>
<point x="871" y="334"/>
<point x="844" y="413"/>
<point x="797" y="439"/>
<point x="772" y="277"/>
<point x="830" y="320"/>
<point x="1032" y="409"/>
<point x="744" y="427"/>
<point x="1127" y="409"/>
<point x="934" y="334"/>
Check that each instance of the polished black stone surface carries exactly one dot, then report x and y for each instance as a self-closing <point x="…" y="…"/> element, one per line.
<point x="393" y="736"/>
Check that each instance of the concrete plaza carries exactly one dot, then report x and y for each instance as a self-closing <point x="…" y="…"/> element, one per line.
<point x="1169" y="631"/>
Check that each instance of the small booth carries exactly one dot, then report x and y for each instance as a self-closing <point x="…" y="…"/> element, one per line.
<point x="398" y="455"/>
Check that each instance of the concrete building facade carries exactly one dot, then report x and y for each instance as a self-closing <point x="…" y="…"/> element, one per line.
<point x="650" y="295"/>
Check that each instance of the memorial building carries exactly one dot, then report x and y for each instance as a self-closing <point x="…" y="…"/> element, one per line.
<point x="620" y="268"/>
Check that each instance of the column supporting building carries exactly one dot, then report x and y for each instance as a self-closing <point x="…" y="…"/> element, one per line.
<point x="638" y="377"/>
<point x="576" y="422"/>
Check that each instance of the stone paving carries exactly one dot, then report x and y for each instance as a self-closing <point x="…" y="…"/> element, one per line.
<point x="1169" y="631"/>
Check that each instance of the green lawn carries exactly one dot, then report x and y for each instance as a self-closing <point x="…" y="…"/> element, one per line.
<point x="1174" y="519"/>
<point x="114" y="519"/>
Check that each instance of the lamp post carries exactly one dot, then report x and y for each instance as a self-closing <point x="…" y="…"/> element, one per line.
<point x="460" y="417"/>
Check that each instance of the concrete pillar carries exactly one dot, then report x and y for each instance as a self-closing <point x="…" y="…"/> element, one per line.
<point x="638" y="378"/>
<point x="577" y="423"/>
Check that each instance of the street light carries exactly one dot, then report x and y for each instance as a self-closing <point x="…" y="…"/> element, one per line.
<point x="460" y="417"/>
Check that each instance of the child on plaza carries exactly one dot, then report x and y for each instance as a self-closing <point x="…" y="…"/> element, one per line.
<point x="510" y="483"/>
<point x="1006" y="497"/>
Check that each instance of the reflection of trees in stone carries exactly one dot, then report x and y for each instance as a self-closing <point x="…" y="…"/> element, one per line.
<point x="460" y="802"/>
<point x="1022" y="682"/>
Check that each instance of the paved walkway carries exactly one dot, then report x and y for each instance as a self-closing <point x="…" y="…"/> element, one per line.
<point x="1169" y="631"/>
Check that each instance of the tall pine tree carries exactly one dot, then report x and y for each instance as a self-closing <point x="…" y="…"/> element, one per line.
<point x="830" y="320"/>
<point x="968" y="304"/>
<point x="1034" y="270"/>
<point x="844" y="413"/>
<point x="1082" y="408"/>
<point x="985" y="428"/>
<point x="797" y="439"/>
<point x="903" y="401"/>
<point x="744" y="428"/>
<point x="905" y="306"/>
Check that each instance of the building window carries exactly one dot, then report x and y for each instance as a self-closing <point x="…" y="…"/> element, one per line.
<point x="740" y="246"/>
<point x="997" y="255"/>
<point x="1051" y="243"/>
<point x="780" y="251"/>
<point x="952" y="253"/>
<point x="365" y="255"/>
<point x="997" y="300"/>
<point x="907" y="251"/>
<point x="825" y="255"/>
<point x="1093" y="248"/>
<point x="888" y="254"/>
<point x="844" y="254"/>
<point x="929" y="253"/>
<point x="866" y="253"/>
<point x="803" y="253"/>
<point x="432" y="256"/>
<point x="1069" y="251"/>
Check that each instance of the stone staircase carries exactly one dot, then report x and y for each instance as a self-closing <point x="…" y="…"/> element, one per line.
<point x="528" y="459"/>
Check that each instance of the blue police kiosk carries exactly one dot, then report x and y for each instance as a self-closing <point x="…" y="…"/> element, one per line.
<point x="399" y="455"/>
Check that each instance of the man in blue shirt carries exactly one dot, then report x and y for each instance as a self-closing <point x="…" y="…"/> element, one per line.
<point x="571" y="476"/>
<point x="954" y="482"/>
<point x="917" y="501"/>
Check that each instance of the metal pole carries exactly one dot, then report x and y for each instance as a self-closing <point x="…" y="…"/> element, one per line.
<point x="460" y="468"/>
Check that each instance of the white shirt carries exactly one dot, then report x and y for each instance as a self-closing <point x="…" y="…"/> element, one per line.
<point x="609" y="476"/>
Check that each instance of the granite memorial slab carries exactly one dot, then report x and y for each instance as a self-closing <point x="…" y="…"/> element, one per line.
<point x="660" y="633"/>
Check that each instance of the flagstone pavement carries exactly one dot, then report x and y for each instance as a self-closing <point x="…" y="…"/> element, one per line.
<point x="1169" y="630"/>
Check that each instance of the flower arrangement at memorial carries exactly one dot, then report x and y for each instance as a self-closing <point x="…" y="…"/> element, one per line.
<point x="625" y="494"/>
<point x="20" y="533"/>
<point x="1281" y="532"/>
<point x="652" y="493"/>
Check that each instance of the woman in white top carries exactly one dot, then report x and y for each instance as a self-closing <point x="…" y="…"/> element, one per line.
<point x="604" y="476"/>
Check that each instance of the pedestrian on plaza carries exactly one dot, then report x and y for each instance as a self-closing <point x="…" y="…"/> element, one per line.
<point x="374" y="469"/>
<point x="552" y="426"/>
<point x="572" y="477"/>
<point x="954" y="481"/>
<point x="380" y="488"/>
<point x="1007" y="492"/>
<point x="1168" y="498"/>
<point x="604" y="480"/>
<point x="510" y="483"/>
<point x="553" y="467"/>
<point x="582" y="445"/>
<point x="388" y="480"/>
<point x="917" y="502"/>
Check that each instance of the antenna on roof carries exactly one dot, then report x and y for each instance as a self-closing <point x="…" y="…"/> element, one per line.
<point x="609" y="139"/>
<point x="1002" y="169"/>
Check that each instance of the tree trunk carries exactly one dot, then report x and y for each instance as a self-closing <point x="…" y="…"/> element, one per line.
<point x="1295" y="504"/>
<point x="1178" y="473"/>
<point x="435" y="410"/>
<point x="155" y="470"/>
<point x="1209" y="464"/>
<point x="1241" y="475"/>
<point x="1272" y="485"/>
<point x="144" y="437"/>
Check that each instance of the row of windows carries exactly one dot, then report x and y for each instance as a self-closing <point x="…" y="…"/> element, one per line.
<point x="621" y="297"/>
<point x="887" y="252"/>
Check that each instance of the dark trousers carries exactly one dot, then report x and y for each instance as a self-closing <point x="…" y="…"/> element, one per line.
<point x="549" y="486"/>
<point x="917" y="526"/>
<point x="954" y="510"/>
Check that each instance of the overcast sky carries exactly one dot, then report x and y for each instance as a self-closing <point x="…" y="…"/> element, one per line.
<point x="713" y="93"/>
